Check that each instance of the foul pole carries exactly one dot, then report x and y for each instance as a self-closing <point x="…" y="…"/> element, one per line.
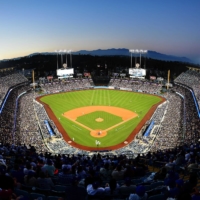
<point x="33" y="77"/>
<point x="168" y="78"/>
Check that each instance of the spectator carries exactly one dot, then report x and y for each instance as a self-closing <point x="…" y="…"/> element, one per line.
<point x="6" y="182"/>
<point x="112" y="188"/>
<point x="189" y="186"/>
<point x="44" y="182"/>
<point x="127" y="188"/>
<point x="177" y="190"/>
<point x="118" y="173"/>
<point x="95" y="189"/>
<point x="105" y="172"/>
<point x="49" y="168"/>
<point x="81" y="172"/>
<point x="27" y="168"/>
<point x="74" y="192"/>
<point x="161" y="174"/>
<point x="30" y="179"/>
<point x="140" y="194"/>
<point x="17" y="174"/>
<point x="65" y="176"/>
<point x="192" y="165"/>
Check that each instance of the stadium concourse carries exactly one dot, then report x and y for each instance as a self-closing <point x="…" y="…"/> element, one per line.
<point x="172" y="143"/>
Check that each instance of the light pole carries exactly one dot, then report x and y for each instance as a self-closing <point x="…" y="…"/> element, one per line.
<point x="131" y="51"/>
<point x="64" y="51"/>
<point x="57" y="57"/>
<point x="70" y="51"/>
<point x="66" y="58"/>
<point x="145" y="52"/>
<point x="136" y="51"/>
<point x="142" y="52"/>
<point x="61" y="57"/>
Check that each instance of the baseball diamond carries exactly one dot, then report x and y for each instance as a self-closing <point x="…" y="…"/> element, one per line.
<point x="112" y="116"/>
<point x="124" y="114"/>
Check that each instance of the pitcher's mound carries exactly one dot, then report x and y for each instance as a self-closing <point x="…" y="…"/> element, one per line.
<point x="98" y="133"/>
<point x="99" y="119"/>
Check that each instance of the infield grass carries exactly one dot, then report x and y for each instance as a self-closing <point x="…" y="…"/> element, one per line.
<point x="89" y="120"/>
<point x="136" y="102"/>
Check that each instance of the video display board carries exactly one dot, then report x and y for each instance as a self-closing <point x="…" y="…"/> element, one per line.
<point x="137" y="72"/>
<point x="65" y="72"/>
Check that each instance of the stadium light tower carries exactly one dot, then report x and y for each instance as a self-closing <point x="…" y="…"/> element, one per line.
<point x="66" y="57"/>
<point x="145" y="52"/>
<point x="142" y="52"/>
<point x="57" y="57"/>
<point x="64" y="51"/>
<point x="131" y="51"/>
<point x="60" y="51"/>
<point x="135" y="51"/>
<point x="70" y="51"/>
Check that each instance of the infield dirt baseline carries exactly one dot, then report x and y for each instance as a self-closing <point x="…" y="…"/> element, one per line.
<point x="125" y="114"/>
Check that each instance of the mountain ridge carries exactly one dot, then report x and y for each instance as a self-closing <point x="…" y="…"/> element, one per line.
<point x="115" y="52"/>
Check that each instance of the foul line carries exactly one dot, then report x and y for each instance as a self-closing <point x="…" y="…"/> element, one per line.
<point x="86" y="127"/>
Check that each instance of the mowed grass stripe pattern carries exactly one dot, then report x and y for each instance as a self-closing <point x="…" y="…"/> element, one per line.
<point x="136" y="102"/>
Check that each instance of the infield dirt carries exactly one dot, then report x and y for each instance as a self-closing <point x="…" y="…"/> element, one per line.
<point x="125" y="114"/>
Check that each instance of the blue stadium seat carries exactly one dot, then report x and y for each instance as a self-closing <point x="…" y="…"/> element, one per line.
<point x="37" y="195"/>
<point x="52" y="198"/>
<point x="157" y="197"/>
<point x="23" y="193"/>
<point x="156" y="184"/>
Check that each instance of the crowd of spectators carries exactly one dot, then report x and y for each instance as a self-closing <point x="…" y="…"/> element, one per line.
<point x="24" y="171"/>
<point x="8" y="80"/>
<point x="8" y="116"/>
<point x="164" y="128"/>
<point x="176" y="122"/>
<point x="27" y="123"/>
<point x="191" y="78"/>
<point x="171" y="124"/>
<point x="66" y="85"/>
<point x="136" y="85"/>
<point x="30" y="127"/>
<point x="191" y="119"/>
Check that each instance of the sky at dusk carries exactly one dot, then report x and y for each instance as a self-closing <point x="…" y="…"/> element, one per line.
<point x="167" y="26"/>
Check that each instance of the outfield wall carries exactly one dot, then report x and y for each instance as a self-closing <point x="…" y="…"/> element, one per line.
<point x="112" y="88"/>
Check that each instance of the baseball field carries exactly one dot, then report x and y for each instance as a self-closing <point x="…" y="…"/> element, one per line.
<point x="100" y="118"/>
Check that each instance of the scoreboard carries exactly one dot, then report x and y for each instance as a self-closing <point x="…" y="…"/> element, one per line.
<point x="65" y="72"/>
<point x="137" y="72"/>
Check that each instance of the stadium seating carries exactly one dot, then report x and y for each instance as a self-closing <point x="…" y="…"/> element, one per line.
<point x="146" y="161"/>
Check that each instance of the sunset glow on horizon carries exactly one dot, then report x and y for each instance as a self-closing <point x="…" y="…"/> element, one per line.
<point x="168" y="27"/>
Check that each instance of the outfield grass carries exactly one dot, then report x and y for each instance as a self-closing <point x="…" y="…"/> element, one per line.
<point x="136" y="102"/>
